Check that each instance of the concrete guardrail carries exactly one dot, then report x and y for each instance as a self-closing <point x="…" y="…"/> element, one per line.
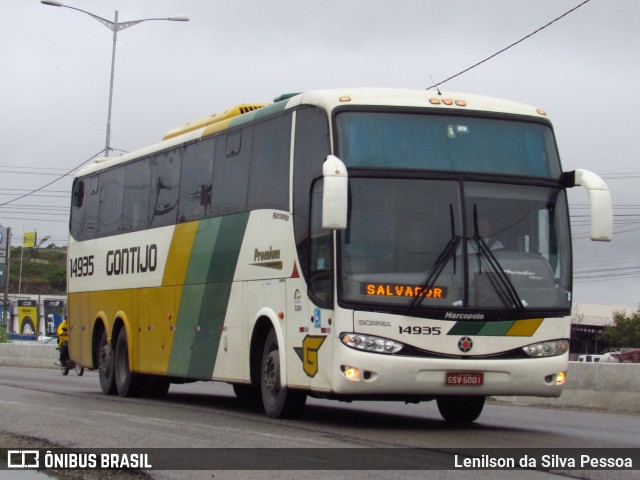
<point x="612" y="387"/>
<point x="28" y="354"/>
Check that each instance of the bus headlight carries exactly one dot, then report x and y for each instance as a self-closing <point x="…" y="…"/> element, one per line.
<point x="369" y="343"/>
<point x="547" y="349"/>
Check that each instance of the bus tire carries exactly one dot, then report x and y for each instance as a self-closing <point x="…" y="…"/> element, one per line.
<point x="126" y="382"/>
<point x="461" y="409"/>
<point x="278" y="401"/>
<point x="105" y="366"/>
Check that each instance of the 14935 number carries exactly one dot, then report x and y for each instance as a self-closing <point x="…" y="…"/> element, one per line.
<point x="81" y="266"/>
<point x="420" y="330"/>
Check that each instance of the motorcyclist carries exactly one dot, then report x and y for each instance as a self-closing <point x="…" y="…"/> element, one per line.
<point x="63" y="342"/>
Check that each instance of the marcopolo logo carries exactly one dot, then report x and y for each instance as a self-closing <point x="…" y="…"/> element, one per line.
<point x="464" y="316"/>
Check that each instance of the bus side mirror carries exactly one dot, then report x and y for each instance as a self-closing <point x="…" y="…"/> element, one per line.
<point x="334" y="194"/>
<point x="599" y="202"/>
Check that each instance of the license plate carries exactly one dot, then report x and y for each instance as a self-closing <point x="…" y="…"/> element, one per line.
<point x="465" y="378"/>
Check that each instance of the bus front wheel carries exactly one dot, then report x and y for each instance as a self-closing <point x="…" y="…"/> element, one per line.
<point x="278" y="401"/>
<point x="460" y="409"/>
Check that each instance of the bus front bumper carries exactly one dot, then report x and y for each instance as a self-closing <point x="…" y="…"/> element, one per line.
<point x="358" y="373"/>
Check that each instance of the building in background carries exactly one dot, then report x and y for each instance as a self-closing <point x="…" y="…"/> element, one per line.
<point x="588" y="321"/>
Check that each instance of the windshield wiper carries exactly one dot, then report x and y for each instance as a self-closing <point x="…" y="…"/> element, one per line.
<point x="500" y="282"/>
<point x="437" y="268"/>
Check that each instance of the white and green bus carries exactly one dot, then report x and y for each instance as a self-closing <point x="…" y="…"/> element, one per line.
<point x="357" y="244"/>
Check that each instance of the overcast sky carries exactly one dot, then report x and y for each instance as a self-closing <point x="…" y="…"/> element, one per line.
<point x="583" y="70"/>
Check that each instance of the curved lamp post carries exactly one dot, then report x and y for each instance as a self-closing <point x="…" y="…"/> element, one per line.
<point x="115" y="27"/>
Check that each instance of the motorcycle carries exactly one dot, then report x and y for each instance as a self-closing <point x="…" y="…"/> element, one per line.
<point x="66" y="363"/>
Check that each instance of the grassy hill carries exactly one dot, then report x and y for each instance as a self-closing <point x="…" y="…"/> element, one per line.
<point x="44" y="270"/>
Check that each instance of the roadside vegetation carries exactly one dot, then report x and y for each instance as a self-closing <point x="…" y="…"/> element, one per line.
<point x="625" y="331"/>
<point x="43" y="270"/>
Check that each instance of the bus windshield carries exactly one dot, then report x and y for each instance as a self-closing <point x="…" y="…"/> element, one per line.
<point x="444" y="244"/>
<point x="446" y="142"/>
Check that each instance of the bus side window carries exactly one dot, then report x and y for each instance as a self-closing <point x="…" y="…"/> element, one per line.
<point x="233" y="143"/>
<point x="135" y="210"/>
<point x="78" y="194"/>
<point x="321" y="251"/>
<point x="77" y="210"/>
<point x="269" y="175"/>
<point x="231" y="173"/>
<point x="165" y="184"/>
<point x="111" y="198"/>
<point x="311" y="149"/>
<point x="196" y="181"/>
<point x="91" y="206"/>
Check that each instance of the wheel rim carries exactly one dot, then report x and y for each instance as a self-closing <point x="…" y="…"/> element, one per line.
<point x="271" y="374"/>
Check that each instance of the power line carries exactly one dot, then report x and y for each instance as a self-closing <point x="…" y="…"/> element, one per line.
<point x="510" y="46"/>
<point x="28" y="190"/>
<point x="51" y="182"/>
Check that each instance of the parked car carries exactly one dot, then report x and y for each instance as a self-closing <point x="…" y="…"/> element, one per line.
<point x="629" y="355"/>
<point x="589" y="358"/>
<point x="610" y="357"/>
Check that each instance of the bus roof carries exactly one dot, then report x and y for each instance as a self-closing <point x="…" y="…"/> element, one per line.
<point x="328" y="100"/>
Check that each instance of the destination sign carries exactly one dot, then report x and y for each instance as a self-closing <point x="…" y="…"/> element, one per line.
<point x="401" y="290"/>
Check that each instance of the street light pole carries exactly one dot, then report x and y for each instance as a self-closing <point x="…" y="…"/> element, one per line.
<point x="115" y="27"/>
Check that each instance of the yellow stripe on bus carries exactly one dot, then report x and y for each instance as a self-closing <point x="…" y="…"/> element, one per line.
<point x="524" y="328"/>
<point x="179" y="253"/>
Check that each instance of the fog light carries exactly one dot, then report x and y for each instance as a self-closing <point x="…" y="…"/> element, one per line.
<point x="352" y="373"/>
<point x="561" y="378"/>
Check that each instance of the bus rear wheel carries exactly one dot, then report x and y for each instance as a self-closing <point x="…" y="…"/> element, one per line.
<point x="127" y="383"/>
<point x="460" y="409"/>
<point x="278" y="401"/>
<point x="105" y="366"/>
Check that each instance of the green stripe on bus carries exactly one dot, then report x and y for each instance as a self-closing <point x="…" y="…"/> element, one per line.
<point x="202" y="251"/>
<point x="185" y="332"/>
<point x="207" y="338"/>
<point x="521" y="328"/>
<point x="466" y="328"/>
<point x="227" y="248"/>
<point x="222" y="268"/>
<point x="205" y="296"/>
<point x="496" y="329"/>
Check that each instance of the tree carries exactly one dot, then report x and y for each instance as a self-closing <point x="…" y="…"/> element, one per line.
<point x="625" y="331"/>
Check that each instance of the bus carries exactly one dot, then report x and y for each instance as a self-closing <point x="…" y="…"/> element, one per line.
<point x="348" y="244"/>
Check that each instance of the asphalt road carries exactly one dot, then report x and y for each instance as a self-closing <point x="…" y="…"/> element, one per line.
<point x="71" y="412"/>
